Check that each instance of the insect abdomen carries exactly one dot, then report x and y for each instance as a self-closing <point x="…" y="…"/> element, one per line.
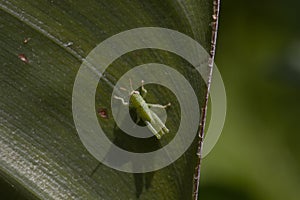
<point x="144" y="112"/>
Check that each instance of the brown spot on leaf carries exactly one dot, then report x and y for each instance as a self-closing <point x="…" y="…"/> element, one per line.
<point x="103" y="113"/>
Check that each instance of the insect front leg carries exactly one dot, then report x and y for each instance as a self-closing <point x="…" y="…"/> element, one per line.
<point x="121" y="99"/>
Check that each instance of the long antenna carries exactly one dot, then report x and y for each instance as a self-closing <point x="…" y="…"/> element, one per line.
<point x="130" y="82"/>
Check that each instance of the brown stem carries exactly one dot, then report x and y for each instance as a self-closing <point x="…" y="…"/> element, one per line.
<point x="214" y="24"/>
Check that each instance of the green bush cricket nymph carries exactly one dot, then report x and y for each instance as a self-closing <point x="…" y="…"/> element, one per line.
<point x="143" y="111"/>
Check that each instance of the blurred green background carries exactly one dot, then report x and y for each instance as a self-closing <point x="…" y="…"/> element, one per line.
<point x="258" y="54"/>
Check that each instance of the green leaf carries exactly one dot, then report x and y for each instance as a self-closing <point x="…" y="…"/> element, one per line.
<point x="43" y="44"/>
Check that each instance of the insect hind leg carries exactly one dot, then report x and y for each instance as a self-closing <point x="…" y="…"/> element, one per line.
<point x="160" y="123"/>
<point x="152" y="129"/>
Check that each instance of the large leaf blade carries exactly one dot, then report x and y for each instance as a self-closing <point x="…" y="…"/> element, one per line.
<point x="40" y="149"/>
